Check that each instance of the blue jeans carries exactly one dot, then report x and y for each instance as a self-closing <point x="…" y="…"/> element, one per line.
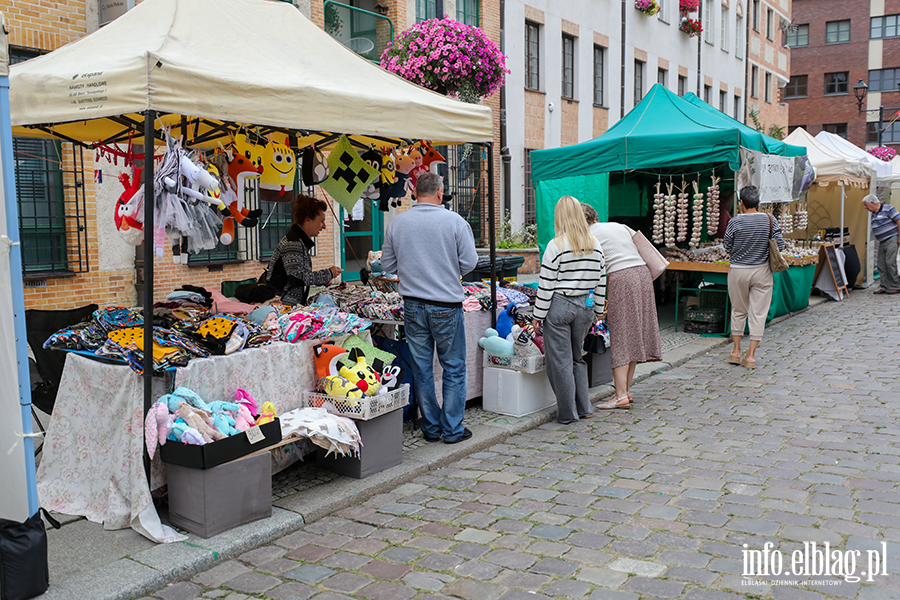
<point x="428" y="328"/>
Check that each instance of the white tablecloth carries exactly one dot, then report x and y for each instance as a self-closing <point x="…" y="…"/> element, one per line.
<point x="92" y="463"/>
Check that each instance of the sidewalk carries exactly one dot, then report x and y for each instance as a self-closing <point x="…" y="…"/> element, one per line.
<point x="88" y="563"/>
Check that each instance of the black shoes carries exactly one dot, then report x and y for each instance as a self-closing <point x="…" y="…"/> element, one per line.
<point x="466" y="434"/>
<point x="428" y="438"/>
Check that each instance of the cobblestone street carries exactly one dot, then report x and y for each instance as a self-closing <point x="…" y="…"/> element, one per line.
<point x="654" y="502"/>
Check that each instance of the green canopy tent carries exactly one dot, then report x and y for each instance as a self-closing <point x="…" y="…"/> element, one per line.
<point x="664" y="135"/>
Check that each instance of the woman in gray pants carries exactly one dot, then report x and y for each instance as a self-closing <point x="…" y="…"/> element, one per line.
<point x="572" y="267"/>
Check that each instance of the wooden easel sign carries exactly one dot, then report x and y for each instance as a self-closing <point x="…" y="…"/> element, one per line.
<point x="829" y="267"/>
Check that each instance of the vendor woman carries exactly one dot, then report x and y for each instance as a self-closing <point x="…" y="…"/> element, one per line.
<point x="307" y="222"/>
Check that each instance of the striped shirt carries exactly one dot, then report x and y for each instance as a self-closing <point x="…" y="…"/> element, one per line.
<point x="747" y="239"/>
<point x="562" y="272"/>
<point x="884" y="223"/>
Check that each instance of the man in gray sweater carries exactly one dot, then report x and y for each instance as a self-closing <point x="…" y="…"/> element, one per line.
<point x="431" y="248"/>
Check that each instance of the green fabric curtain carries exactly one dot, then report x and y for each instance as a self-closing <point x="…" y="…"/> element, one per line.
<point x="791" y="290"/>
<point x="590" y="189"/>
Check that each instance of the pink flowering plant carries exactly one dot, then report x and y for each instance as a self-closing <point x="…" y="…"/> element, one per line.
<point x="448" y="57"/>
<point x="648" y="7"/>
<point x="689" y="6"/>
<point x="883" y="153"/>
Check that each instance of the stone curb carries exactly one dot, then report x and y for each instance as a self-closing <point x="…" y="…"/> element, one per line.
<point x="151" y="569"/>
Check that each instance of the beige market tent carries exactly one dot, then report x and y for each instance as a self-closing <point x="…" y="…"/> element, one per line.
<point x="210" y="65"/>
<point x="227" y="61"/>
<point x="830" y="166"/>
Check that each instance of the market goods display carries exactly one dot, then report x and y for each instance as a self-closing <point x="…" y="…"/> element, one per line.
<point x="659" y="216"/>
<point x="712" y="207"/>
<point x="708" y="254"/>
<point x="682" y="213"/>
<point x="786" y="221"/>
<point x="698" y="217"/>
<point x="669" y="225"/>
<point x="801" y="220"/>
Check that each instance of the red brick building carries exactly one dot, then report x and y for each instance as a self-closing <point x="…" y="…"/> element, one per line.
<point x="834" y="45"/>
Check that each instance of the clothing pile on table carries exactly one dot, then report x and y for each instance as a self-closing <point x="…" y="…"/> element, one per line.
<point x="183" y="416"/>
<point x="478" y="297"/>
<point x="513" y="290"/>
<point x="364" y="301"/>
<point x="319" y="322"/>
<point x="336" y="434"/>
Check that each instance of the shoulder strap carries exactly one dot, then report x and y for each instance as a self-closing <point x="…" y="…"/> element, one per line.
<point x="771" y="220"/>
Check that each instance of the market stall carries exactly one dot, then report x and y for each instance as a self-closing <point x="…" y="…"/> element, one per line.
<point x="252" y="64"/>
<point x="668" y="160"/>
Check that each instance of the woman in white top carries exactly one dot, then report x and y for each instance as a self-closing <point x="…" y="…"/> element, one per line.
<point x="633" y="326"/>
<point x="572" y="267"/>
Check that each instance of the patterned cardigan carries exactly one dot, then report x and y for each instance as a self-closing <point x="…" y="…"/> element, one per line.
<point x="293" y="250"/>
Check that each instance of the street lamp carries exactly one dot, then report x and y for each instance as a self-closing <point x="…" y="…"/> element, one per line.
<point x="860" y="90"/>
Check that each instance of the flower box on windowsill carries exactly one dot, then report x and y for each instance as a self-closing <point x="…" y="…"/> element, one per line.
<point x="648" y="7"/>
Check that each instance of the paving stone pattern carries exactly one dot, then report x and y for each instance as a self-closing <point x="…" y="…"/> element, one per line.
<point x="655" y="502"/>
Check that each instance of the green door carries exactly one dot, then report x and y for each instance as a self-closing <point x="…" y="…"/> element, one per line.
<point x="360" y="236"/>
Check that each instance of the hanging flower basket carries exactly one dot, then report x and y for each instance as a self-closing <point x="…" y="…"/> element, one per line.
<point x="690" y="26"/>
<point x="883" y="153"/>
<point x="689" y="6"/>
<point x="648" y="7"/>
<point x="448" y="57"/>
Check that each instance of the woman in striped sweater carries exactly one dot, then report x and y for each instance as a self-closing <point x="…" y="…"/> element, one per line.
<point x="573" y="266"/>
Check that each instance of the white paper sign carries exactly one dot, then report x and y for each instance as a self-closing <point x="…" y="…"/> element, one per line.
<point x="255" y="435"/>
<point x="773" y="175"/>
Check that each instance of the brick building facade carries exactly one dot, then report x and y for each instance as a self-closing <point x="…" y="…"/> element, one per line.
<point x="83" y="259"/>
<point x="837" y="45"/>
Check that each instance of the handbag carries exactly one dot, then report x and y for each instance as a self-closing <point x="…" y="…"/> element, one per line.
<point x="24" y="568"/>
<point x="655" y="261"/>
<point x="776" y="260"/>
<point x="594" y="344"/>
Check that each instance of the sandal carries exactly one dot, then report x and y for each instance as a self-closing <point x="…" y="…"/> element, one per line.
<point x="615" y="403"/>
<point x="734" y="359"/>
<point x="749" y="363"/>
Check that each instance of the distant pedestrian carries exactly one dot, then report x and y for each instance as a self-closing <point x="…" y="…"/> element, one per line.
<point x="431" y="248"/>
<point x="632" y="320"/>
<point x="886" y="229"/>
<point x="750" y="278"/>
<point x="573" y="266"/>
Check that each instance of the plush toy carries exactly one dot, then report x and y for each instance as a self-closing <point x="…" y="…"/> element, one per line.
<point x="128" y="208"/>
<point x="391" y="376"/>
<point x="523" y="343"/>
<point x="315" y="167"/>
<point x="492" y="343"/>
<point x="235" y="168"/>
<point x="157" y="426"/>
<point x="244" y="398"/>
<point x="350" y="174"/>
<point x="222" y="406"/>
<point x="341" y="387"/>
<point x="373" y="158"/>
<point x="184" y="433"/>
<point x="252" y="152"/>
<point x="244" y="420"/>
<point x="199" y="421"/>
<point x="424" y="159"/>
<point x="387" y="169"/>
<point x="225" y="423"/>
<point x="324" y="354"/>
<point x="361" y="374"/>
<point x="505" y="320"/>
<point x="276" y="184"/>
<point x="267" y="413"/>
<point x="189" y="396"/>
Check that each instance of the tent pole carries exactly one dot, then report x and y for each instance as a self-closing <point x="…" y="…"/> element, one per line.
<point x="492" y="232"/>
<point x="842" y="214"/>
<point x="149" y="118"/>
<point x="17" y="292"/>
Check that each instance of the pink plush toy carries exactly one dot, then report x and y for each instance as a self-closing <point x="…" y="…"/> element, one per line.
<point x="157" y="427"/>
<point x="244" y="420"/>
<point x="243" y="397"/>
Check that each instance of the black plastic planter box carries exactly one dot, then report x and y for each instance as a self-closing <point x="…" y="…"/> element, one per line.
<point x="222" y="451"/>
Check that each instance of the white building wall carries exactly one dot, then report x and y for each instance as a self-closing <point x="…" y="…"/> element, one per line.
<point x="657" y="36"/>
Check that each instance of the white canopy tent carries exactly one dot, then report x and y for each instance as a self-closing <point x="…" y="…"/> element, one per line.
<point x="227" y="61"/>
<point x="884" y="170"/>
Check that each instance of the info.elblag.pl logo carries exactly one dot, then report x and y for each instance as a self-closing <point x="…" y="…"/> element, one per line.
<point x="815" y="560"/>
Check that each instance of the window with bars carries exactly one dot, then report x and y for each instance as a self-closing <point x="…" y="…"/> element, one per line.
<point x="530" y="218"/>
<point x="638" y="81"/>
<point x="799" y="37"/>
<point x="425" y="9"/>
<point x="598" y="74"/>
<point x="884" y="80"/>
<point x="885" y="27"/>
<point x="837" y="32"/>
<point x="568" y="66"/>
<point x="797" y="87"/>
<point x="836" y="83"/>
<point x="465" y="178"/>
<point x="836" y="128"/>
<point x="467" y="11"/>
<point x="682" y="85"/>
<point x="532" y="56"/>
<point x="275" y="220"/>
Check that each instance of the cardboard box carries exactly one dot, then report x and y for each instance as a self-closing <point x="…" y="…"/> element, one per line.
<point x="209" y="501"/>
<point x="217" y="453"/>
<point x="382" y="448"/>
<point x="516" y="393"/>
